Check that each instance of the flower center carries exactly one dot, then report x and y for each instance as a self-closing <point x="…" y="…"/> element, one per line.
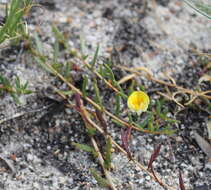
<point x="137" y="102"/>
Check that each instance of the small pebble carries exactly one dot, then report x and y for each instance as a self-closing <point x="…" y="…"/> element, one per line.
<point x="148" y="178"/>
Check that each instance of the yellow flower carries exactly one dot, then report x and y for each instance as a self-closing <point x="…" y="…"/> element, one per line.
<point x="138" y="101"/>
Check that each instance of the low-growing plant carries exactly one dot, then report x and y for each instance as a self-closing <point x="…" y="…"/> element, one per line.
<point x="14" y="29"/>
<point x="14" y="90"/>
<point x="155" y="119"/>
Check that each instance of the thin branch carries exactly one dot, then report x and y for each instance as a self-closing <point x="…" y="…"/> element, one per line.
<point x="76" y="90"/>
<point x="101" y="160"/>
<point x="184" y="90"/>
<point x="93" y="124"/>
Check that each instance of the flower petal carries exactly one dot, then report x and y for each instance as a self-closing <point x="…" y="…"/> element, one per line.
<point x="138" y="101"/>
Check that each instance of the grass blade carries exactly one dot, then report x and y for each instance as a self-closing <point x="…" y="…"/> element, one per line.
<point x="84" y="86"/>
<point x="102" y="182"/>
<point x="94" y="60"/>
<point x="59" y="36"/>
<point x="97" y="94"/>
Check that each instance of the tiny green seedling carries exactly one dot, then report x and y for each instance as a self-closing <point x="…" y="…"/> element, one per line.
<point x="17" y="90"/>
<point x="21" y="88"/>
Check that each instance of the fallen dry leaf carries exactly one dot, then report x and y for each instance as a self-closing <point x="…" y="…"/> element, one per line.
<point x="203" y="144"/>
<point x="126" y="78"/>
<point x="209" y="129"/>
<point x="7" y="163"/>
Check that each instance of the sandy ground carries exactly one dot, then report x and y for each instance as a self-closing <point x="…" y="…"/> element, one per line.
<point x="159" y="36"/>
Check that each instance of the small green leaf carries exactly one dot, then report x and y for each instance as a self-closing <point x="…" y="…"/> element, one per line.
<point x="97" y="94"/>
<point x="149" y="118"/>
<point x="56" y="52"/>
<point x="101" y="71"/>
<point x="17" y="82"/>
<point x="82" y="48"/>
<point x="157" y="127"/>
<point x="130" y="118"/>
<point x="102" y="182"/>
<point x="86" y="148"/>
<point x="65" y="92"/>
<point x="107" y="161"/>
<point x="117" y="122"/>
<point x="41" y="62"/>
<point x="38" y="43"/>
<point x="67" y="69"/>
<point x="91" y="131"/>
<point x="93" y="62"/>
<point x="59" y="36"/>
<point x="151" y="126"/>
<point x="121" y="92"/>
<point x="25" y="85"/>
<point x="28" y="91"/>
<point x="131" y="87"/>
<point x="158" y="107"/>
<point x="85" y="57"/>
<point x="117" y="108"/>
<point x="142" y="88"/>
<point x="168" y="130"/>
<point x="21" y="88"/>
<point x="110" y="73"/>
<point x="111" y="76"/>
<point x="57" y="66"/>
<point x="15" y="98"/>
<point x="84" y="86"/>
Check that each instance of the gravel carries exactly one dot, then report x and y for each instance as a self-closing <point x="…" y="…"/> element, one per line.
<point x="38" y="145"/>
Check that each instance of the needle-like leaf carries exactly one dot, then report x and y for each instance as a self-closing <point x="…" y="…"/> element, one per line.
<point x="107" y="161"/>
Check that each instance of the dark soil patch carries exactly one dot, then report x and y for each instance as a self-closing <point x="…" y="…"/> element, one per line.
<point x="131" y="36"/>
